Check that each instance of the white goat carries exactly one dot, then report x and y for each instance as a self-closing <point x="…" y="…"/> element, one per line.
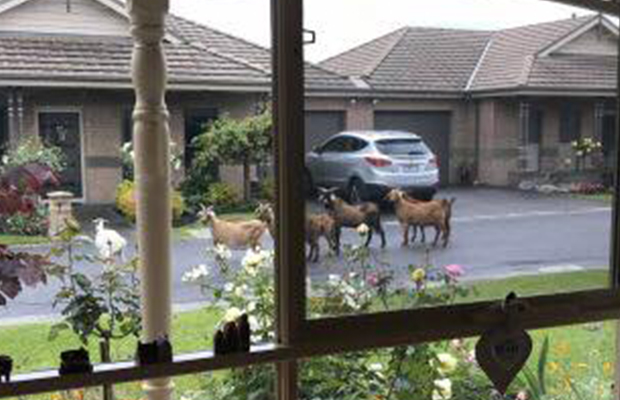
<point x="109" y="242"/>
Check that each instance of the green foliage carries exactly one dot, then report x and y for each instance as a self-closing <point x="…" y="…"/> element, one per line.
<point x="267" y="190"/>
<point x="222" y="196"/>
<point x="126" y="201"/>
<point x="33" y="223"/>
<point x="105" y="306"/>
<point x="236" y="141"/>
<point x="33" y="150"/>
<point x="421" y="371"/>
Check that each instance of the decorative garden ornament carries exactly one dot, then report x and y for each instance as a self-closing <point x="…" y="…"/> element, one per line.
<point x="503" y="351"/>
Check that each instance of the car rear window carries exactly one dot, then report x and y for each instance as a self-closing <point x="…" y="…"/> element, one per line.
<point x="410" y="147"/>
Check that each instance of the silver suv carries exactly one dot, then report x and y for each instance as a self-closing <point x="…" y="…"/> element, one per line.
<point x="366" y="164"/>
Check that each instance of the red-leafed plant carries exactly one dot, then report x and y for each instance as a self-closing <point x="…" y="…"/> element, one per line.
<point x="20" y="191"/>
<point x="19" y="269"/>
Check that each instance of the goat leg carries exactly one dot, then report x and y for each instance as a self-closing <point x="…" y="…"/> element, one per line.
<point x="337" y="232"/>
<point x="405" y="228"/>
<point x="369" y="238"/>
<point x="423" y="234"/>
<point x="437" y="231"/>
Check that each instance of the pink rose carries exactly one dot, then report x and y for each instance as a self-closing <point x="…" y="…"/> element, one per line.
<point x="454" y="270"/>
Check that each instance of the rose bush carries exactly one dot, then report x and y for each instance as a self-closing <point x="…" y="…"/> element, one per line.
<point x="425" y="371"/>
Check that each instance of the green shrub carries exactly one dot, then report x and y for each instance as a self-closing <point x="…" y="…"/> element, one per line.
<point x="222" y="195"/>
<point x="126" y="201"/>
<point x="267" y="189"/>
<point x="33" y="150"/>
<point x="31" y="223"/>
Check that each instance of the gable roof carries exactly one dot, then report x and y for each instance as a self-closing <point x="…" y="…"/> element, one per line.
<point x="464" y="61"/>
<point x="198" y="58"/>
<point x="512" y="53"/>
<point x="415" y="59"/>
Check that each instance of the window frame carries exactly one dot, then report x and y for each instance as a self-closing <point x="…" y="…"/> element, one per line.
<point x="298" y="337"/>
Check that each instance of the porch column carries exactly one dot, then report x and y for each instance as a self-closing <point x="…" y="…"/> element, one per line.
<point x="12" y="134"/>
<point x="151" y="141"/>
<point x="524" y="126"/>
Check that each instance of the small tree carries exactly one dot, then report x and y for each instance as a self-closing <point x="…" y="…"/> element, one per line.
<point x="236" y="141"/>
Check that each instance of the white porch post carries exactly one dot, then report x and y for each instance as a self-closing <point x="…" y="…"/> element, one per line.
<point x="151" y="142"/>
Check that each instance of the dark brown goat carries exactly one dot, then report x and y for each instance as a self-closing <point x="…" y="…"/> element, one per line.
<point x="346" y="215"/>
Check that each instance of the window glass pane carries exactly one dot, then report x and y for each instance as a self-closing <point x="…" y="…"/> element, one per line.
<point x="474" y="182"/>
<point x="79" y="281"/>
<point x="569" y="369"/>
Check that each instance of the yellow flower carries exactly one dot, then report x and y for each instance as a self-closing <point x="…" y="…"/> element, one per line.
<point x="78" y="394"/>
<point x="553" y="366"/>
<point x="418" y="275"/>
<point x="446" y="363"/>
<point x="608" y="368"/>
<point x="56" y="396"/>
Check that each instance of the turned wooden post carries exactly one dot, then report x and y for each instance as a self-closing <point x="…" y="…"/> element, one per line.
<point x="151" y="143"/>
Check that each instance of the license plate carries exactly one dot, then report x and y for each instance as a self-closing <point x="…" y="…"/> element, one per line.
<point x="410" y="168"/>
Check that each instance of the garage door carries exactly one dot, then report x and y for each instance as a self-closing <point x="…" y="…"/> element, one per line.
<point x="433" y="127"/>
<point x="320" y="125"/>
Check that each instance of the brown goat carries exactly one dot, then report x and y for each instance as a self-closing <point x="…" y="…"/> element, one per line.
<point x="317" y="226"/>
<point x="265" y="213"/>
<point x="432" y="213"/>
<point x="446" y="203"/>
<point x="234" y="234"/>
<point x="346" y="215"/>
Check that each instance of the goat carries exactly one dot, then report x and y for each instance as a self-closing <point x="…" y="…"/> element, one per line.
<point x="109" y="242"/>
<point x="317" y="226"/>
<point x="446" y="203"/>
<point x="432" y="213"/>
<point x="234" y="234"/>
<point x="351" y="216"/>
<point x="264" y="212"/>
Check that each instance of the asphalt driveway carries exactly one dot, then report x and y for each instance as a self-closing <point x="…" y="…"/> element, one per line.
<point x="495" y="233"/>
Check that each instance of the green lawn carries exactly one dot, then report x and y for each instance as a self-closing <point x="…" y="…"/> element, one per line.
<point x="12" y="240"/>
<point x="602" y="197"/>
<point x="29" y="345"/>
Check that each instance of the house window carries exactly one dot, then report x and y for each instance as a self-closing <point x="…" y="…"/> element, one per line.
<point x="570" y="122"/>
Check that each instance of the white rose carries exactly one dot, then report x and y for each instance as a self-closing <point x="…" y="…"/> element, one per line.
<point x="443" y="389"/>
<point x="446" y="363"/>
<point x="232" y="314"/>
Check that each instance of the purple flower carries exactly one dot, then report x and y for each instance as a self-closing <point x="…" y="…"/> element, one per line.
<point x="454" y="270"/>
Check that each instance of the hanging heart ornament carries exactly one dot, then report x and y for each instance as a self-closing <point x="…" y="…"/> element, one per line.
<point x="503" y="351"/>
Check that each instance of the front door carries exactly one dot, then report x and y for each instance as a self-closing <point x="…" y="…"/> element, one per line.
<point x="62" y="129"/>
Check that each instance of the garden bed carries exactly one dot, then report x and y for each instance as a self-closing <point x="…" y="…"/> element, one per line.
<point x="574" y="351"/>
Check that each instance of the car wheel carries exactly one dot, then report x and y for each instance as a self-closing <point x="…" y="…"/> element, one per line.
<point x="357" y="191"/>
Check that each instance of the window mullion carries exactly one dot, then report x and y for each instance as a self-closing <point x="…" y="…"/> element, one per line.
<point x="288" y="112"/>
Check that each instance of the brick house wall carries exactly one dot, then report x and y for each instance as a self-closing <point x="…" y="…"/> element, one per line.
<point x="102" y="118"/>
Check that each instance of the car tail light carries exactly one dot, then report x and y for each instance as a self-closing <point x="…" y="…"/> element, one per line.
<point x="378" y="161"/>
<point x="433" y="162"/>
